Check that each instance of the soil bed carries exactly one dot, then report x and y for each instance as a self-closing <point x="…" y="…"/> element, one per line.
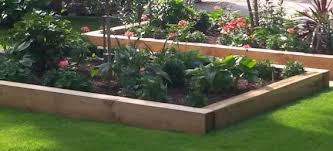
<point x="175" y="95"/>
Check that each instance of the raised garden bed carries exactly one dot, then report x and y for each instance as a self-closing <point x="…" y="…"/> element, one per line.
<point x="319" y="61"/>
<point x="147" y="114"/>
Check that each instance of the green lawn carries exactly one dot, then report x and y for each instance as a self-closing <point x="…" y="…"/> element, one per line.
<point x="94" y="23"/>
<point x="303" y="126"/>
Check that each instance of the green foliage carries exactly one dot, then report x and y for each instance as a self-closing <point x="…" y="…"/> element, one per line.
<point x="131" y="11"/>
<point x="176" y="10"/>
<point x="202" y="22"/>
<point x="196" y="36"/>
<point x="196" y="98"/>
<point x="219" y="76"/>
<point x="175" y="63"/>
<point x="42" y="40"/>
<point x="67" y="80"/>
<point x="293" y="68"/>
<point x="265" y="70"/>
<point x="216" y="14"/>
<point x="152" y="87"/>
<point x="13" y="71"/>
<point x="148" y="31"/>
<point x="11" y="11"/>
<point x="175" y="68"/>
<point x="316" y="26"/>
<point x="136" y="74"/>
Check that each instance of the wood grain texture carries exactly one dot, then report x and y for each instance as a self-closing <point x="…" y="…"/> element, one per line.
<point x="162" y="116"/>
<point x="132" y="112"/>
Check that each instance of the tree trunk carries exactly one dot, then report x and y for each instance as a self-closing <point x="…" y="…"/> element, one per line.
<point x="250" y="12"/>
<point x="256" y="12"/>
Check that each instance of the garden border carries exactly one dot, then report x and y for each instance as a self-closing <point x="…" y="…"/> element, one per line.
<point x="162" y="116"/>
<point x="319" y="61"/>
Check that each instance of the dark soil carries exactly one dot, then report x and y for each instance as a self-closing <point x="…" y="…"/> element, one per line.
<point x="175" y="95"/>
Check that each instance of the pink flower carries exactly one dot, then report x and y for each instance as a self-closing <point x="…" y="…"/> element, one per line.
<point x="291" y="30"/>
<point x="129" y="34"/>
<point x="142" y="69"/>
<point x="247" y="46"/>
<point x="85" y="29"/>
<point x="63" y="63"/>
<point x="172" y="35"/>
<point x="182" y="23"/>
<point x="144" y="18"/>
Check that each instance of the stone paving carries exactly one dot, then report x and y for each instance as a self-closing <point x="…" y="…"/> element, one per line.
<point x="241" y="5"/>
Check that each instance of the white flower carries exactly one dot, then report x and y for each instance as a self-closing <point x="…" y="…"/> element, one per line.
<point x="283" y="38"/>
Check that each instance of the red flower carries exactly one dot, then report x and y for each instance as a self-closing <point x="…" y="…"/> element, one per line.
<point x="85" y="29"/>
<point x="63" y="63"/>
<point x="238" y="22"/>
<point x="291" y="30"/>
<point x="247" y="46"/>
<point x="129" y="34"/>
<point x="182" y="23"/>
<point x="144" y="18"/>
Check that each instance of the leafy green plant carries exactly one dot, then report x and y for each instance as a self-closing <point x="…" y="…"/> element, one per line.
<point x="219" y="76"/>
<point x="176" y="10"/>
<point x="317" y="27"/>
<point x="265" y="70"/>
<point x="67" y="79"/>
<point x="11" y="11"/>
<point x="152" y="87"/>
<point x="175" y="68"/>
<point x="293" y="68"/>
<point x="148" y="31"/>
<point x="203" y="22"/>
<point x="196" y="36"/>
<point x="136" y="74"/>
<point x="14" y="71"/>
<point x="174" y="63"/>
<point x="42" y="40"/>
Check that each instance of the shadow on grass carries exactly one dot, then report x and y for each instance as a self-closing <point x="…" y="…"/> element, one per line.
<point x="303" y="126"/>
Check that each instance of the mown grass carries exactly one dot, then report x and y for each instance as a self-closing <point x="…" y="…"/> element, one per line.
<point x="304" y="126"/>
<point x="94" y="23"/>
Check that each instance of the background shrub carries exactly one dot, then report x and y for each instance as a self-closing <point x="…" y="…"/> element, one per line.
<point x="42" y="40"/>
<point x="67" y="80"/>
<point x="12" y="10"/>
<point x="293" y="68"/>
<point x="14" y="71"/>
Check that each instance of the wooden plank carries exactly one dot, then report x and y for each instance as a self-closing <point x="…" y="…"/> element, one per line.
<point x="162" y="116"/>
<point x="254" y="102"/>
<point x="132" y="112"/>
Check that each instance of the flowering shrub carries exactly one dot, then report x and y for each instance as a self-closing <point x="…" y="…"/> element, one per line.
<point x="67" y="80"/>
<point x="237" y="32"/>
<point x="236" y="23"/>
<point x="43" y="40"/>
